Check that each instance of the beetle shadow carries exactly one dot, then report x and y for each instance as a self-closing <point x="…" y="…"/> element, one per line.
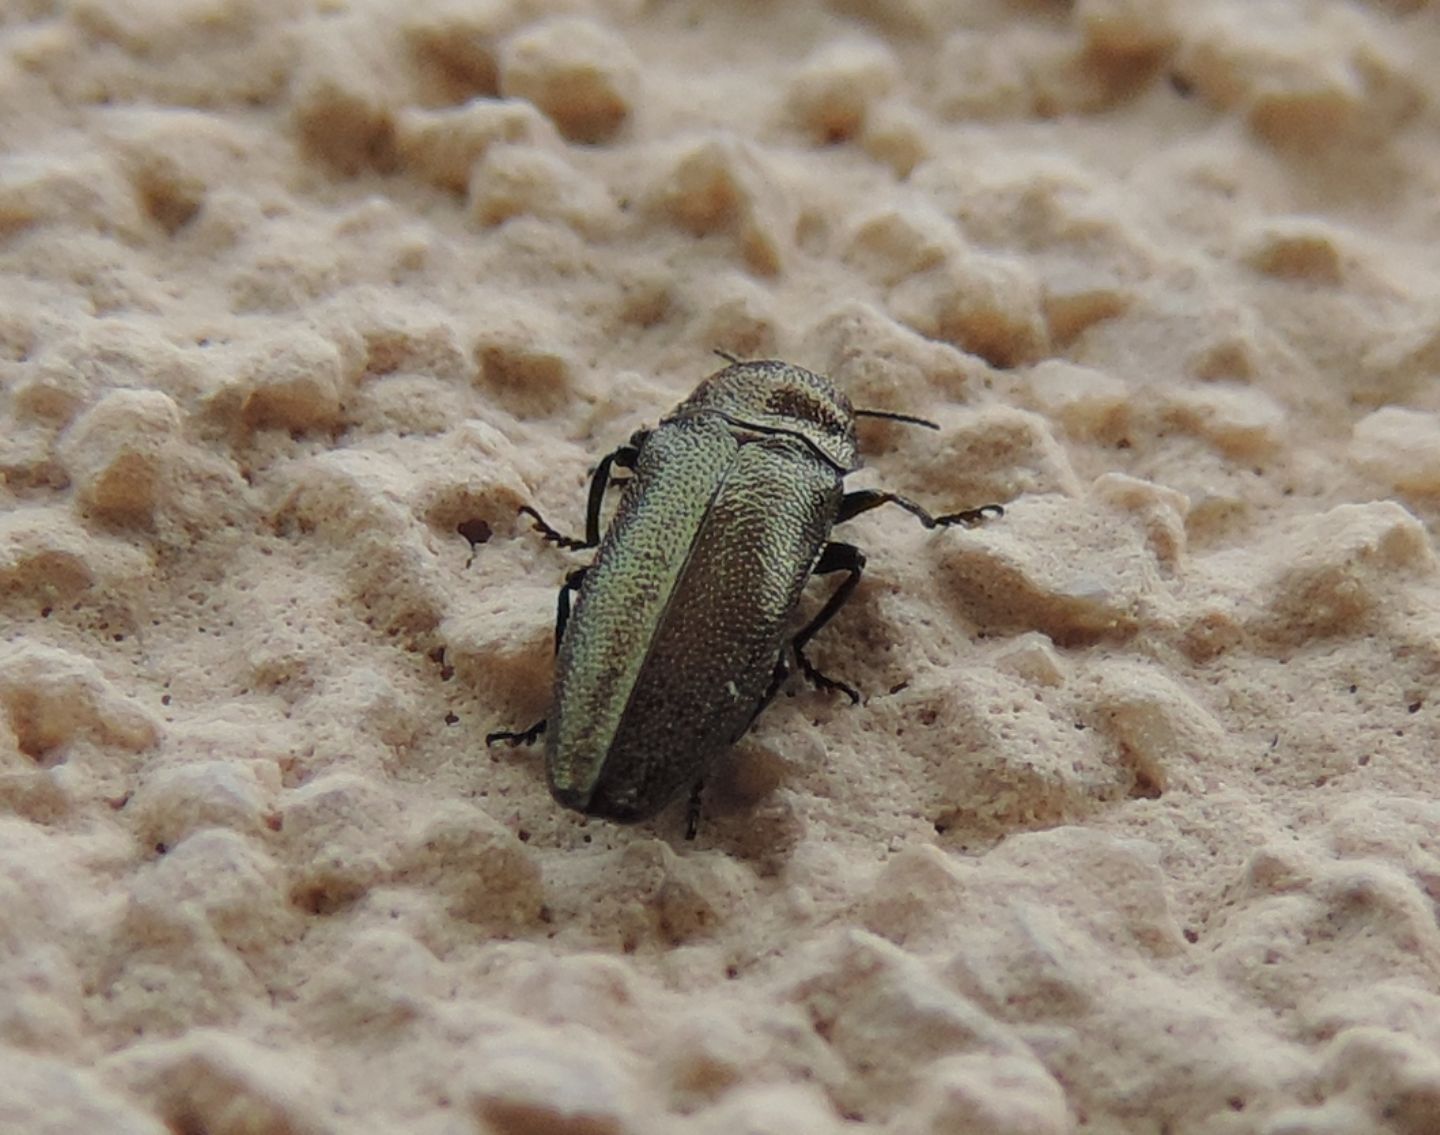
<point x="745" y="811"/>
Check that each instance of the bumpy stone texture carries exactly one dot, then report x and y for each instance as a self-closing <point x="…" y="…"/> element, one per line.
<point x="1135" y="829"/>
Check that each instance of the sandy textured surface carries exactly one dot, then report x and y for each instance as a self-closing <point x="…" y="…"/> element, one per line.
<point x="1137" y="829"/>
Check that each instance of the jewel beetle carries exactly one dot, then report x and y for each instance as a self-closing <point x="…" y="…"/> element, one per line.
<point x="682" y="624"/>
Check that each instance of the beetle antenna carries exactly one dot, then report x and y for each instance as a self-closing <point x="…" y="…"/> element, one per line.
<point x="726" y="355"/>
<point x="929" y="425"/>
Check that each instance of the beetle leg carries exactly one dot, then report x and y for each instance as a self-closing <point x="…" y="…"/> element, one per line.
<point x="524" y="737"/>
<point x="972" y="516"/>
<point x="782" y="671"/>
<point x="834" y="557"/>
<point x="624" y="458"/>
<point x="543" y="527"/>
<point x="562" y="616"/>
<point x="562" y="601"/>
<point x="692" y="812"/>
<point x="863" y="500"/>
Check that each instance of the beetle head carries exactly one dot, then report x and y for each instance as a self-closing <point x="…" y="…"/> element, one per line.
<point x="775" y="397"/>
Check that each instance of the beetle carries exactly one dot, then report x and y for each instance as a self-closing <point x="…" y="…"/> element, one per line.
<point x="677" y="640"/>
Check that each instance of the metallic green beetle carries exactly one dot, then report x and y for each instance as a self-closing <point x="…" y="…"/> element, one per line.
<point x="678" y="636"/>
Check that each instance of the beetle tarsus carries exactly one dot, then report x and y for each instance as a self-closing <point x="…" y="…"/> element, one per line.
<point x="524" y="737"/>
<point x="972" y="516"/>
<point x="550" y="534"/>
<point x="863" y="500"/>
<point x="824" y="681"/>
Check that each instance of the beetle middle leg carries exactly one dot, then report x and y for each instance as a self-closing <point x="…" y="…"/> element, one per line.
<point x="621" y="458"/>
<point x="848" y="558"/>
<point x="562" y="617"/>
<point x="834" y="557"/>
<point x="573" y="582"/>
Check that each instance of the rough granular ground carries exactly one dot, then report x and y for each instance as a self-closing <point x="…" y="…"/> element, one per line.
<point x="1136" y="830"/>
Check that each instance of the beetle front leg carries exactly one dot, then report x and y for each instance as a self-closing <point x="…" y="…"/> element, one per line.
<point x="834" y="557"/>
<point x="863" y="500"/>
<point x="622" y="458"/>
